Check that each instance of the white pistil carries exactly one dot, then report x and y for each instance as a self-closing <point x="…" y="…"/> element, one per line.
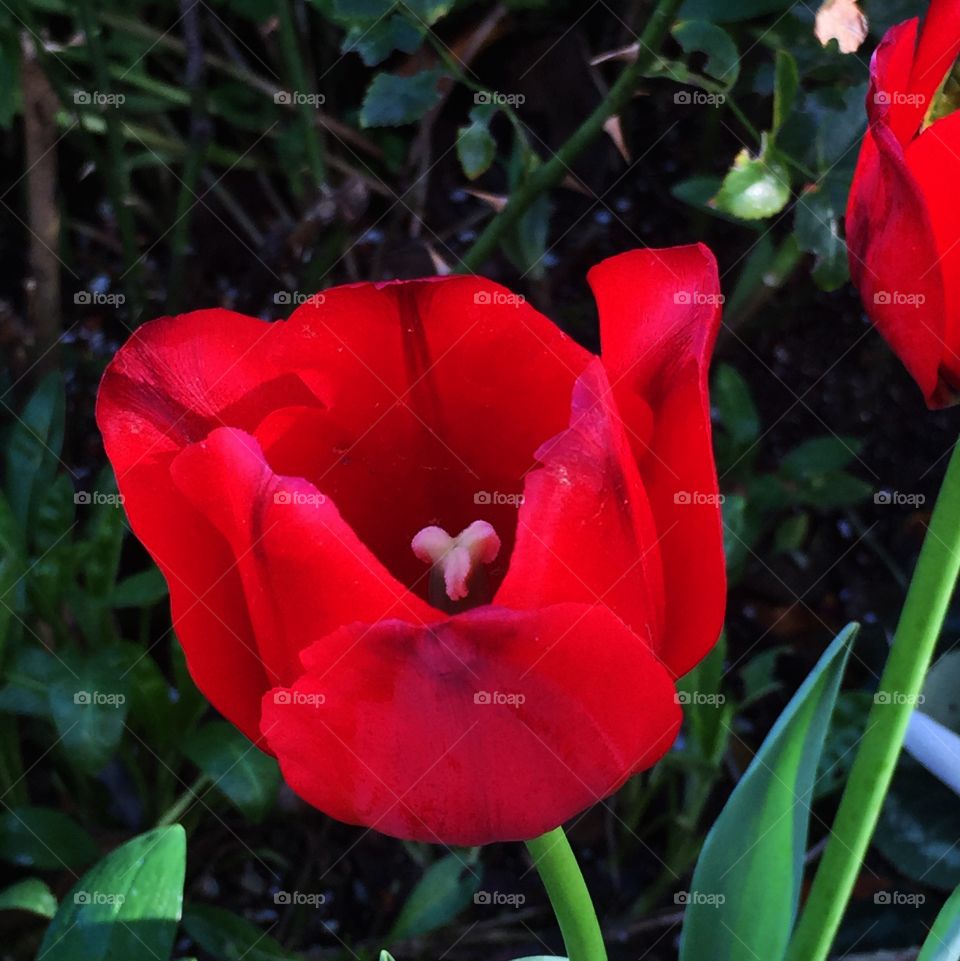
<point x="457" y="559"/>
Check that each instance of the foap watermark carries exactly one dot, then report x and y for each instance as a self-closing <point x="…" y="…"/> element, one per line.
<point x="293" y="298"/>
<point x="899" y="897"/>
<point x="99" y="698"/>
<point x="97" y="298"/>
<point x="497" y="99"/>
<point x="295" y="98"/>
<point x="898" y="98"/>
<point x="498" y="498"/>
<point x="499" y="898"/>
<point x="699" y="897"/>
<point x="686" y="298"/>
<point x="698" y="498"/>
<point x="899" y="298"/>
<point x="299" y="498"/>
<point x="499" y="698"/>
<point x="97" y="498"/>
<point x="98" y="897"/>
<point x="299" y="699"/>
<point x="898" y="697"/>
<point x="700" y="697"/>
<point x="899" y="499"/>
<point x="97" y="98"/>
<point x="698" y="98"/>
<point x="498" y="298"/>
<point x="299" y="897"/>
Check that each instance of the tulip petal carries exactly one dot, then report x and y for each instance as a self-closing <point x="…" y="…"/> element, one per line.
<point x="936" y="50"/>
<point x="890" y="239"/>
<point x="304" y="571"/>
<point x="490" y="726"/>
<point x="659" y="316"/>
<point x="585" y="531"/>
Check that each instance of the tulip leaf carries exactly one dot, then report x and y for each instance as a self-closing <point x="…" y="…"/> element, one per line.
<point x="228" y="937"/>
<point x="30" y="894"/>
<point x="753" y="854"/>
<point x="44" y="838"/>
<point x="943" y="941"/>
<point x="446" y="887"/>
<point x="249" y="778"/>
<point x="127" y="906"/>
<point x="701" y="36"/>
<point x="755" y="186"/>
<point x="393" y="100"/>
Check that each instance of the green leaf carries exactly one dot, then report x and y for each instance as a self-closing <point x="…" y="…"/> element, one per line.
<point x="785" y="84"/>
<point x="445" y="889"/>
<point x="30" y="894"/>
<point x="375" y="42"/>
<point x="730" y="11"/>
<point x="817" y="227"/>
<point x="127" y="906"/>
<point x="755" y="186"/>
<point x="140" y="590"/>
<point x="228" y="937"/>
<point x="88" y="701"/>
<point x="820" y="455"/>
<point x="249" y="778"/>
<point x="753" y="854"/>
<point x="393" y="100"/>
<point x="791" y="533"/>
<point x="347" y="10"/>
<point x="701" y="36"/>
<point x="44" y="838"/>
<point x="476" y="149"/>
<point x="846" y="730"/>
<point x="734" y="403"/>
<point x="33" y="449"/>
<point x="943" y="941"/>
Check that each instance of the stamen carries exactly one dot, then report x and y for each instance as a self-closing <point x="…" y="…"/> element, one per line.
<point x="456" y="560"/>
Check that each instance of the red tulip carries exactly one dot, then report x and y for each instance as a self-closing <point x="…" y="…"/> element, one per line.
<point x="903" y="215"/>
<point x="440" y="560"/>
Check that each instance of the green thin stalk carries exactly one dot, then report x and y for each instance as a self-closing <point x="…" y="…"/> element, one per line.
<point x="118" y="175"/>
<point x="183" y="803"/>
<point x="921" y="621"/>
<point x="569" y="896"/>
<point x="556" y="168"/>
<point x="296" y="70"/>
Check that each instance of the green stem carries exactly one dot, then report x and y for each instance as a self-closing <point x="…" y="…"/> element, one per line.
<point x="554" y="170"/>
<point x="913" y="646"/>
<point x="298" y="76"/>
<point x="118" y="175"/>
<point x="179" y="807"/>
<point x="569" y="896"/>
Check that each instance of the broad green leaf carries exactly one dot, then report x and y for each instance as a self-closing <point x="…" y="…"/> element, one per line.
<point x="33" y="449"/>
<point x="30" y="894"/>
<point x="28" y="681"/>
<point x="753" y="854"/>
<point x="44" y="838"/>
<point x="227" y="937"/>
<point x="88" y="701"/>
<point x="249" y="778"/>
<point x="701" y="36"/>
<point x="785" y="84"/>
<point x="140" y="590"/>
<point x="393" y="100"/>
<point x="476" y="149"/>
<point x="817" y="228"/>
<point x="846" y="730"/>
<point x="734" y="403"/>
<point x="375" y="42"/>
<point x="755" y="186"/>
<point x="127" y="906"/>
<point x="445" y="889"/>
<point x="943" y="941"/>
<point x="820" y="455"/>
<point x="791" y="533"/>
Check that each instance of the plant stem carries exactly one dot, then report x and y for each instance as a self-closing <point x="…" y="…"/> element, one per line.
<point x="569" y="896"/>
<point x="118" y="175"/>
<point x="913" y="646"/>
<point x="298" y="76"/>
<point x="179" y="807"/>
<point x="556" y="168"/>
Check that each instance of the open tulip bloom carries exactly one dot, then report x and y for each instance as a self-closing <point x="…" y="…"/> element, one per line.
<point x="440" y="560"/>
<point x="903" y="214"/>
